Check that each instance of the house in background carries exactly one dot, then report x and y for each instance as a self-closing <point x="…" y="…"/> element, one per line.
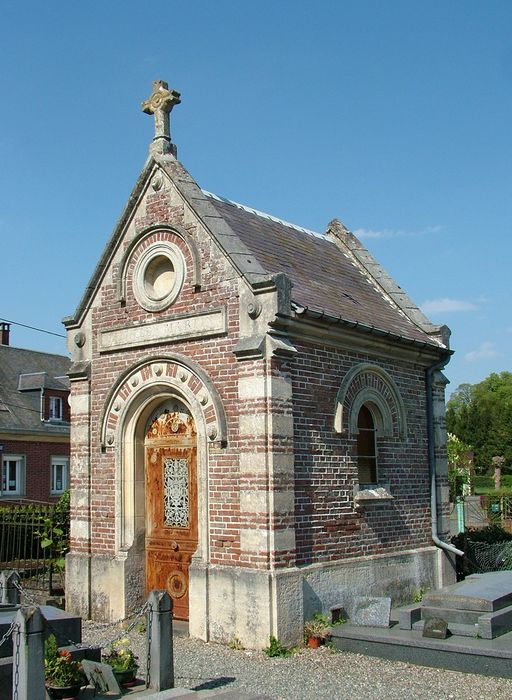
<point x="258" y="417"/>
<point x="34" y="423"/>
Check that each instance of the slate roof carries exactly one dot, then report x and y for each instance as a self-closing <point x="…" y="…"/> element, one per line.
<point x="325" y="279"/>
<point x="23" y="373"/>
<point x="334" y="277"/>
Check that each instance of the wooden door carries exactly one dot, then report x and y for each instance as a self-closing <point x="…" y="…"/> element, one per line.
<point x="171" y="505"/>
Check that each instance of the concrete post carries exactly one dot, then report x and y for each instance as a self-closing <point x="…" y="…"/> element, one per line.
<point x="9" y="594"/>
<point x="28" y="655"/>
<point x="159" y="641"/>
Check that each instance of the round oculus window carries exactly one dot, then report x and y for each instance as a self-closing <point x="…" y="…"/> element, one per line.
<point x="158" y="276"/>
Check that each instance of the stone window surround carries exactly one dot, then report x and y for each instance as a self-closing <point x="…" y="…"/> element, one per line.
<point x="163" y="250"/>
<point x="180" y="233"/>
<point x="388" y="413"/>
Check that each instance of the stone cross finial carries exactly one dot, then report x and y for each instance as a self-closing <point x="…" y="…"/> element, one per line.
<point x="160" y="104"/>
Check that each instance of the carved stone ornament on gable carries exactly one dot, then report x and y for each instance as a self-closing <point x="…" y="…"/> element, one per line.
<point x="160" y="105"/>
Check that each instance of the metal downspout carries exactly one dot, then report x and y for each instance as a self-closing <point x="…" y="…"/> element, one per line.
<point x="432" y="458"/>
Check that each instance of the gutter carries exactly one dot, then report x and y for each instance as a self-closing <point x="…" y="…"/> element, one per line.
<point x="432" y="457"/>
<point x="363" y="327"/>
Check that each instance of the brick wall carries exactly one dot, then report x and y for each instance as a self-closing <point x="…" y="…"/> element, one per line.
<point x="38" y="457"/>
<point x="328" y="526"/>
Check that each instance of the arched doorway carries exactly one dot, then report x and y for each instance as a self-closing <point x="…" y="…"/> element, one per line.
<point x="171" y="513"/>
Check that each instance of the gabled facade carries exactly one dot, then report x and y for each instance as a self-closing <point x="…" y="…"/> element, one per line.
<point x="257" y="417"/>
<point x="34" y="424"/>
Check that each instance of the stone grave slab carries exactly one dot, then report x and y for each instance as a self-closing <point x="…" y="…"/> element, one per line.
<point x="101" y="677"/>
<point x="481" y="592"/>
<point x="371" y="611"/>
<point x="435" y="628"/>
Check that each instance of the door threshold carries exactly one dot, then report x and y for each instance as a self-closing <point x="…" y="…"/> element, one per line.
<point x="180" y="628"/>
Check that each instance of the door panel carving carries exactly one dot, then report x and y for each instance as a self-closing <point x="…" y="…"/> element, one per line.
<point x="171" y="505"/>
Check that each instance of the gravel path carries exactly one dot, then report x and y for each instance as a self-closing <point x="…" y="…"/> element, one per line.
<point x="311" y="672"/>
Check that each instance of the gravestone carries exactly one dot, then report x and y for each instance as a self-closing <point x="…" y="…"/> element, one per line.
<point x="371" y="612"/>
<point x="101" y="677"/>
<point x="435" y="628"/>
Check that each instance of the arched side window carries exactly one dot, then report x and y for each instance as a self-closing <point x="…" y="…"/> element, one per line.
<point x="371" y="386"/>
<point x="369" y="407"/>
<point x="366" y="447"/>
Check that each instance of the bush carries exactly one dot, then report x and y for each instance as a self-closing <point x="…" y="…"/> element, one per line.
<point x="490" y="535"/>
<point x="276" y="648"/>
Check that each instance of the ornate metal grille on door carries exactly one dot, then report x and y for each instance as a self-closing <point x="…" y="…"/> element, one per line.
<point x="176" y="492"/>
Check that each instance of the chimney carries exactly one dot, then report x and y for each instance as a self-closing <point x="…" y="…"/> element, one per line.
<point x="5" y="330"/>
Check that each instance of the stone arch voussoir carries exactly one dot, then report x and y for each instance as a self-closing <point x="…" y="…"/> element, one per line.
<point x="370" y="384"/>
<point x="167" y="373"/>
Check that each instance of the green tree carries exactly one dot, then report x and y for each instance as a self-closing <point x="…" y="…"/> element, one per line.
<point x="481" y="415"/>
<point x="459" y="466"/>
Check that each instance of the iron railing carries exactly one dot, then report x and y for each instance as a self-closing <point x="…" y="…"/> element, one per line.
<point x="33" y="541"/>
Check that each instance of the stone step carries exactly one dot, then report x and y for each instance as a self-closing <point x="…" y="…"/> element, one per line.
<point x="465" y="617"/>
<point x="487" y="625"/>
<point x="480" y="592"/>
<point x="456" y="629"/>
<point x="495" y="624"/>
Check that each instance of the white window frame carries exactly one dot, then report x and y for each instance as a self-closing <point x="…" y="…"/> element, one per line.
<point x="19" y="480"/>
<point x="63" y="463"/>
<point x="54" y="402"/>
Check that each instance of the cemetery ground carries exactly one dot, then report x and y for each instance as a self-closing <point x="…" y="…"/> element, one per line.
<point x="311" y="673"/>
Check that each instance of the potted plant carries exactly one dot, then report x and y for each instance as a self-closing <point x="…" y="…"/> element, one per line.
<point x="123" y="661"/>
<point x="63" y="676"/>
<point x="316" y="631"/>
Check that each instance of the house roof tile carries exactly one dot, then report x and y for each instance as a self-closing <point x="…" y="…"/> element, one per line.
<point x="23" y="373"/>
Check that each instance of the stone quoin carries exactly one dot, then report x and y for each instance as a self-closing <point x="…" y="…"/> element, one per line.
<point x="257" y="417"/>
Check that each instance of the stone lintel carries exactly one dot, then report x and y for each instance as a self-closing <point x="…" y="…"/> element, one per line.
<point x="180" y="327"/>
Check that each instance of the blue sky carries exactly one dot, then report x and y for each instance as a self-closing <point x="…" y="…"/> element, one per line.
<point x="392" y="116"/>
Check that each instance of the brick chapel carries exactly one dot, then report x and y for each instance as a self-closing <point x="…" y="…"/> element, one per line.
<point x="257" y="417"/>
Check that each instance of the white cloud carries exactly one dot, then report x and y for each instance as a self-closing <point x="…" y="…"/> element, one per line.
<point x="486" y="350"/>
<point x="446" y="305"/>
<point x="362" y="233"/>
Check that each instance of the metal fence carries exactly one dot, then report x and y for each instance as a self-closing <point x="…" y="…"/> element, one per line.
<point x="33" y="541"/>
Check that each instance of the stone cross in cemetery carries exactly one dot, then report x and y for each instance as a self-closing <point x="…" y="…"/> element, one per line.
<point x="160" y="104"/>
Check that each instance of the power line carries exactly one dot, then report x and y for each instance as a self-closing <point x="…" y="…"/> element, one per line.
<point x="32" y="328"/>
<point x="15" y="405"/>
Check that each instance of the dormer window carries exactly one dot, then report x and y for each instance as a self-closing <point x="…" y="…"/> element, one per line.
<point x="55" y="408"/>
